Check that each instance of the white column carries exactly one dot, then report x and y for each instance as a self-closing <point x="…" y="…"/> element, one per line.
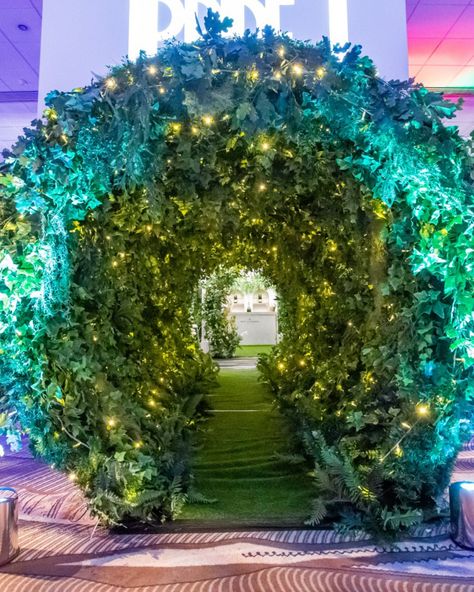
<point x="380" y="26"/>
<point x="79" y="39"/>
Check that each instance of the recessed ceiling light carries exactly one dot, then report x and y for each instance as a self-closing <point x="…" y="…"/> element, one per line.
<point x="23" y="27"/>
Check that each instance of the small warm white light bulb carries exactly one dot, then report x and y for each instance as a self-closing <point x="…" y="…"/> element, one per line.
<point x="320" y="72"/>
<point x="254" y="75"/>
<point x="265" y="146"/>
<point x="152" y="69"/>
<point x="208" y="120"/>
<point x="422" y="410"/>
<point x="111" y="83"/>
<point x="281" y="52"/>
<point x="297" y="69"/>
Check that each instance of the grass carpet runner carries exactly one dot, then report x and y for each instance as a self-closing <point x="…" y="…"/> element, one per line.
<point x="236" y="463"/>
<point x="245" y="351"/>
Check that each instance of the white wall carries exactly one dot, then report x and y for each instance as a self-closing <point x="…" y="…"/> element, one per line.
<point x="257" y="328"/>
<point x="80" y="38"/>
<point x="380" y="26"/>
<point x="13" y="118"/>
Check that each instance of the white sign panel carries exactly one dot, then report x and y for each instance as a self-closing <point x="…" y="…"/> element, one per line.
<point x="152" y="21"/>
<point x="93" y="34"/>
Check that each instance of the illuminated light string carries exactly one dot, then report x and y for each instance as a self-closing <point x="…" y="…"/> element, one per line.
<point x="423" y="411"/>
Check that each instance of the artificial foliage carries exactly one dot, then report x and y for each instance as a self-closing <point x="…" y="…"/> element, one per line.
<point x="212" y="313"/>
<point x="348" y="193"/>
<point x="250" y="282"/>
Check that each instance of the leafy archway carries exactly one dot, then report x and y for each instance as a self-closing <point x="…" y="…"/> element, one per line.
<point x="346" y="191"/>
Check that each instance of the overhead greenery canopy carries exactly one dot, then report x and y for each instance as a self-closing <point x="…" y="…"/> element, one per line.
<point x="346" y="191"/>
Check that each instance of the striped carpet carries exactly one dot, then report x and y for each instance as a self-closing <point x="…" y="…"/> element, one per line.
<point x="62" y="552"/>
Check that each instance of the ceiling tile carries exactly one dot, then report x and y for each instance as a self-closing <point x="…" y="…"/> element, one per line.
<point x="465" y="79"/>
<point x="30" y="53"/>
<point x="438" y="76"/>
<point x="410" y="6"/>
<point x="413" y="72"/>
<point x="37" y="5"/>
<point x="448" y="2"/>
<point x="419" y="50"/>
<point x="15" y="71"/>
<point x="10" y="19"/>
<point x="453" y="52"/>
<point x="14" y="4"/>
<point x="464" y="27"/>
<point x="433" y="20"/>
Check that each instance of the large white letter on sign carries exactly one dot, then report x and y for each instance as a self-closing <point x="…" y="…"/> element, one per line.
<point x="265" y="12"/>
<point x="142" y="27"/>
<point x="338" y="22"/>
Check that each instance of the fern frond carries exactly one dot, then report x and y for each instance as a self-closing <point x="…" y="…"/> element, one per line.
<point x="318" y="512"/>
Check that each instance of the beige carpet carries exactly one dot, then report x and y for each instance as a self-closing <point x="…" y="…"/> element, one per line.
<point x="61" y="551"/>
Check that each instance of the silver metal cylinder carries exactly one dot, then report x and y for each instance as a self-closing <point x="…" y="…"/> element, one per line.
<point x="9" y="547"/>
<point x="461" y="500"/>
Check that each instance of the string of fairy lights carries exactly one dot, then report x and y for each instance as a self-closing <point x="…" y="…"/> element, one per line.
<point x="288" y="70"/>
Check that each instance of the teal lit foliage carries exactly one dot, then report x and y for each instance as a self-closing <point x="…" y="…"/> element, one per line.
<point x="220" y="328"/>
<point x="349" y="194"/>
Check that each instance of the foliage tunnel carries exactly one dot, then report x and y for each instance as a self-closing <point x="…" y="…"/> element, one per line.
<point x="347" y="192"/>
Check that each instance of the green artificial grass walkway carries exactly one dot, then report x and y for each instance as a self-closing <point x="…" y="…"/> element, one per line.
<point x="252" y="351"/>
<point x="236" y="461"/>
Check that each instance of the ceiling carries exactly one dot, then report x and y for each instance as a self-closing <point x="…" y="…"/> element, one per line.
<point x="19" y="49"/>
<point x="440" y="35"/>
<point x="441" y="42"/>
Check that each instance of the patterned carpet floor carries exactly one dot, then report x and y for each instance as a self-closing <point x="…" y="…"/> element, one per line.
<point x="61" y="551"/>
